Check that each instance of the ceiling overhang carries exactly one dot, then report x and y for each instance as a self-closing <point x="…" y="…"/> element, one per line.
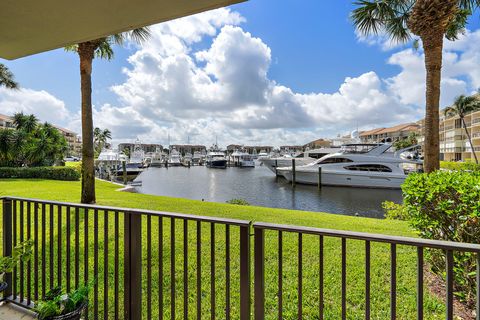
<point x="32" y="26"/>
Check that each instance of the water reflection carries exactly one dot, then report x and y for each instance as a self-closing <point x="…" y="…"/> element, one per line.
<point x="259" y="187"/>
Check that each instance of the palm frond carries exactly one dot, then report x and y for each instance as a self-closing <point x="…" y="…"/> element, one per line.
<point x="140" y="35"/>
<point x="383" y="16"/>
<point x="6" y="78"/>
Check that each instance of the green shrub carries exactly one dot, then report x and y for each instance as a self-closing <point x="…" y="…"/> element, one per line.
<point x="240" y="202"/>
<point x="460" y="166"/>
<point x="77" y="165"/>
<point x="394" y="211"/>
<point x="52" y="173"/>
<point x="445" y="205"/>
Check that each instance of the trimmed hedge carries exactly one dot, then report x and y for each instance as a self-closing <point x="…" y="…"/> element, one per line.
<point x="445" y="205"/>
<point x="460" y="166"/>
<point x="51" y="173"/>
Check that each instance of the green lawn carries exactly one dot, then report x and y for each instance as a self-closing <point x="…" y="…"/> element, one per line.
<point x="107" y="195"/>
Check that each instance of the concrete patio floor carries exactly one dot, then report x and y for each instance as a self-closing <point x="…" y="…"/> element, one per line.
<point x="9" y="311"/>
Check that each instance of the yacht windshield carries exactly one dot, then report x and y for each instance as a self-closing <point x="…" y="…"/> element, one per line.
<point x="359" y="148"/>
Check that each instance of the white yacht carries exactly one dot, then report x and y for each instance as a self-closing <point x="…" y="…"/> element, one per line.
<point x="216" y="159"/>
<point x="187" y="158"/>
<point x="197" y="158"/>
<point x="301" y="159"/>
<point x="157" y="159"/>
<point x="174" y="158"/>
<point x="242" y="159"/>
<point x="358" y="165"/>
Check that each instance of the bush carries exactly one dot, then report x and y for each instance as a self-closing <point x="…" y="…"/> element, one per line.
<point x="394" y="211"/>
<point x="460" y="166"/>
<point x="240" y="202"/>
<point x="445" y="205"/>
<point x="77" y="165"/>
<point x="52" y="173"/>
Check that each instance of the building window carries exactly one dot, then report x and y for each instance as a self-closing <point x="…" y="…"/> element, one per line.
<point x="369" y="167"/>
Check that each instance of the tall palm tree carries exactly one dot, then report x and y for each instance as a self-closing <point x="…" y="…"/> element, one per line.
<point x="431" y="21"/>
<point x="100" y="138"/>
<point x="101" y="48"/>
<point x="6" y="78"/>
<point x="462" y="106"/>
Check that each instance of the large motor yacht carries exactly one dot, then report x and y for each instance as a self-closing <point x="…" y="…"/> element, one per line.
<point x="216" y="159"/>
<point x="301" y="159"/>
<point x="358" y="165"/>
<point x="175" y="158"/>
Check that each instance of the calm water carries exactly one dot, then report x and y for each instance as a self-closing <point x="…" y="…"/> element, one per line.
<point x="260" y="187"/>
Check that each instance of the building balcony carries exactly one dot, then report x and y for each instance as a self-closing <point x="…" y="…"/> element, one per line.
<point x="132" y="253"/>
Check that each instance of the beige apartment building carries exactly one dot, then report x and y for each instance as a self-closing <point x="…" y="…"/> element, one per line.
<point x="391" y="134"/>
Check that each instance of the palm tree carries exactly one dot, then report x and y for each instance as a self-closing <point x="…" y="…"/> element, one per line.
<point x="87" y="51"/>
<point x="6" y="78"/>
<point x="100" y="138"/>
<point x="462" y="106"/>
<point x="431" y="21"/>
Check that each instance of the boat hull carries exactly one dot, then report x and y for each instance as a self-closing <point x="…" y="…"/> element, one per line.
<point x="217" y="164"/>
<point x="346" y="179"/>
<point x="272" y="164"/>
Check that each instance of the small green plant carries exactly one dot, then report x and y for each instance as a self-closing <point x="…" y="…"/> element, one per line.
<point x="240" y="202"/>
<point x="21" y="253"/>
<point x="394" y="211"/>
<point x="57" y="303"/>
<point x="468" y="165"/>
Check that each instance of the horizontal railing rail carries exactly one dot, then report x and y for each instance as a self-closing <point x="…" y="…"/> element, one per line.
<point x="346" y="236"/>
<point x="151" y="264"/>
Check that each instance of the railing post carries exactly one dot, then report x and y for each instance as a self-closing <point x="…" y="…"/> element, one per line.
<point x="245" y="273"/>
<point x="7" y="241"/>
<point x="133" y="265"/>
<point x="259" y="274"/>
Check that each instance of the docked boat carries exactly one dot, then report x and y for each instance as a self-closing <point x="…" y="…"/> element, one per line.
<point x="301" y="159"/>
<point x="174" y="159"/>
<point x="357" y="165"/>
<point x="157" y="159"/>
<point x="242" y="159"/>
<point x="216" y="159"/>
<point x="187" y="159"/>
<point x="197" y="158"/>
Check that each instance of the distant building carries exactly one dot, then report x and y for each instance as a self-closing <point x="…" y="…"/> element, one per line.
<point x="73" y="139"/>
<point x="317" y="144"/>
<point x="391" y="134"/>
<point x="188" y="148"/>
<point x="146" y="147"/>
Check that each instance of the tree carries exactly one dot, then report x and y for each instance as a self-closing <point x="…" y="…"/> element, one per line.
<point x="411" y="140"/>
<point x="461" y="107"/>
<point x="101" y="48"/>
<point x="6" y="78"/>
<point x="100" y="139"/>
<point x="431" y="21"/>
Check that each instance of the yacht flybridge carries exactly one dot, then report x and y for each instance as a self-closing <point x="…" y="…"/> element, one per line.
<point x="358" y="165"/>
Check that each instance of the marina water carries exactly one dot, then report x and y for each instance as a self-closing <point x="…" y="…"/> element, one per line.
<point x="259" y="187"/>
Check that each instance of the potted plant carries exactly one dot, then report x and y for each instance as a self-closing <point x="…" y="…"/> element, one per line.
<point x="20" y="253"/>
<point x="63" y="306"/>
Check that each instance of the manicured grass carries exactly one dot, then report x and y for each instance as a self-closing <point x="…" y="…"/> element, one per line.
<point x="380" y="271"/>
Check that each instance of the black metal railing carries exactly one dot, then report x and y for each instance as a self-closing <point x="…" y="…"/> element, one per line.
<point x="150" y="264"/>
<point x="137" y="275"/>
<point x="346" y="237"/>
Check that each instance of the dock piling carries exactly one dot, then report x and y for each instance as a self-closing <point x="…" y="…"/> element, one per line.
<point x="319" y="177"/>
<point x="276" y="167"/>
<point x="124" y="168"/>
<point x="294" y="174"/>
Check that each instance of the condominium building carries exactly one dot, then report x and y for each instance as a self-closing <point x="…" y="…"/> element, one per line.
<point x="391" y="134"/>
<point x="454" y="144"/>
<point x="5" y="122"/>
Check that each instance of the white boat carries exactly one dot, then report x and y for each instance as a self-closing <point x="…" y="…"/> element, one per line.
<point x="197" y="158"/>
<point x="216" y="159"/>
<point x="357" y="165"/>
<point x="301" y="159"/>
<point x="174" y="158"/>
<point x="187" y="159"/>
<point x="157" y="159"/>
<point x="243" y="159"/>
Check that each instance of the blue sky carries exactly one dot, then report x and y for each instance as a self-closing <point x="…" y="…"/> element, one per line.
<point x="313" y="49"/>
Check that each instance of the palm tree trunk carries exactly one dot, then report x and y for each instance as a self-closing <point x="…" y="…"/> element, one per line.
<point x="433" y="47"/>
<point x="85" y="52"/>
<point x="469" y="139"/>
